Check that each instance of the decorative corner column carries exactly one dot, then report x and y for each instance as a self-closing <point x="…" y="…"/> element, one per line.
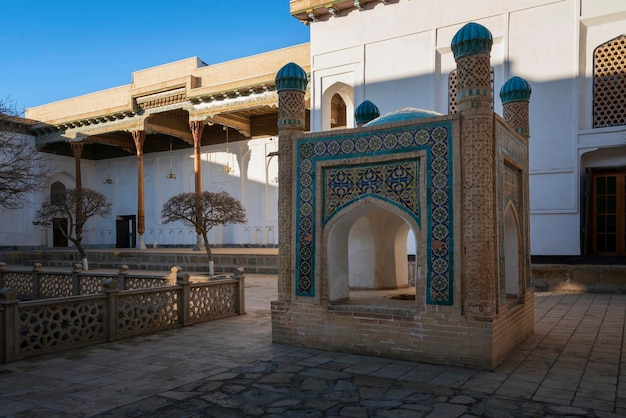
<point x="140" y="137"/>
<point x="291" y="83"/>
<point x="197" y="127"/>
<point x="515" y="96"/>
<point x="471" y="47"/>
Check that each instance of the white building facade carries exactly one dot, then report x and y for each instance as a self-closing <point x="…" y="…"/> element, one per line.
<point x="397" y="54"/>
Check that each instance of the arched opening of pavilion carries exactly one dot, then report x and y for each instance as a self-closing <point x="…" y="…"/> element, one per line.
<point x="367" y="250"/>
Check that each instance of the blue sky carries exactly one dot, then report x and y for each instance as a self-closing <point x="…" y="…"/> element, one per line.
<point x="53" y="50"/>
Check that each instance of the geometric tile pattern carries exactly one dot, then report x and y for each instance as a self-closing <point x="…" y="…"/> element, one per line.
<point x="395" y="181"/>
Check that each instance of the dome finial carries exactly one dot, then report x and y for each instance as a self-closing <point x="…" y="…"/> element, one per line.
<point x="291" y="77"/>
<point x="366" y="112"/>
<point x="515" y="89"/>
<point x="471" y="39"/>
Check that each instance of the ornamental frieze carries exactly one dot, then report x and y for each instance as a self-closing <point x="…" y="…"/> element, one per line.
<point x="72" y="134"/>
<point x="203" y="110"/>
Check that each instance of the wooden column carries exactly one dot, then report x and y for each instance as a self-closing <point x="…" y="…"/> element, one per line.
<point x="140" y="137"/>
<point x="197" y="127"/>
<point x="77" y="150"/>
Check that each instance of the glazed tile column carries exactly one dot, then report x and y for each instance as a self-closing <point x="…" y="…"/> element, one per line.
<point x="197" y="127"/>
<point x="291" y="82"/>
<point x="77" y="150"/>
<point x="140" y="137"/>
<point x="471" y="47"/>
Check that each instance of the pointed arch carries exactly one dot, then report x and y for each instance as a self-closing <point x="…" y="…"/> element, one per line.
<point x="338" y="101"/>
<point x="366" y="248"/>
<point x="513" y="278"/>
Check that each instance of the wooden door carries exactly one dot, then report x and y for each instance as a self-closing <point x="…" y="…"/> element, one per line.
<point x="608" y="213"/>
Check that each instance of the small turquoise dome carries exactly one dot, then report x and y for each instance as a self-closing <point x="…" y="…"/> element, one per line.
<point x="366" y="112"/>
<point x="291" y="77"/>
<point x="471" y="39"/>
<point x="514" y="90"/>
<point x="408" y="113"/>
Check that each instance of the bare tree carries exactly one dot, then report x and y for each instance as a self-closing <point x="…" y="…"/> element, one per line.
<point x="64" y="205"/>
<point x="214" y="209"/>
<point x="22" y="168"/>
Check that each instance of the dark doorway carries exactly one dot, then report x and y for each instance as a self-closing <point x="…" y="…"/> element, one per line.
<point x="125" y="227"/>
<point x="59" y="231"/>
<point x="608" y="212"/>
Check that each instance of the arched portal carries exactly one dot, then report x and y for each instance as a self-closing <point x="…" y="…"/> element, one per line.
<point x="367" y="249"/>
<point x="511" y="254"/>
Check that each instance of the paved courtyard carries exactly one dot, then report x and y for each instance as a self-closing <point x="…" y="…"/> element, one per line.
<point x="574" y="365"/>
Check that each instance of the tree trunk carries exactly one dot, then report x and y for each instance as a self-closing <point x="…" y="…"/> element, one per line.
<point x="83" y="254"/>
<point x="209" y="253"/>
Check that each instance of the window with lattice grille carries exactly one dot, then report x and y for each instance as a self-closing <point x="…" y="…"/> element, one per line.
<point x="452" y="90"/>
<point x="609" y="83"/>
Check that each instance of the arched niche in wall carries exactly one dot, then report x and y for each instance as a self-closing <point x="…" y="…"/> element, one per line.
<point x="338" y="107"/>
<point x="513" y="278"/>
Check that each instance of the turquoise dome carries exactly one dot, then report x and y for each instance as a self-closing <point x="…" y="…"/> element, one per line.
<point x="514" y="90"/>
<point x="408" y="113"/>
<point x="471" y="39"/>
<point x="365" y="112"/>
<point x="291" y="77"/>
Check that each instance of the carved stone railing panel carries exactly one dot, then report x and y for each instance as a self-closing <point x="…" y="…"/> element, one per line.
<point x="212" y="300"/>
<point x="145" y="283"/>
<point x="91" y="285"/>
<point x="20" y="281"/>
<point x="55" y="285"/>
<point x="61" y="324"/>
<point x="141" y="311"/>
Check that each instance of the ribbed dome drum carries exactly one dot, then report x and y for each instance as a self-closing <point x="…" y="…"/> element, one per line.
<point x="515" y="89"/>
<point x="471" y="39"/>
<point x="291" y="77"/>
<point x="366" y="112"/>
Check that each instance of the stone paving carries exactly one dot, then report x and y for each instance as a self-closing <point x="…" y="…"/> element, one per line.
<point x="572" y="366"/>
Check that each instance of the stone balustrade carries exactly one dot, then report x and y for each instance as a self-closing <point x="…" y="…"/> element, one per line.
<point x="38" y="284"/>
<point x="34" y="327"/>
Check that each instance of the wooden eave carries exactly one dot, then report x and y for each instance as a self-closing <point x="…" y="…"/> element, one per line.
<point x="311" y="10"/>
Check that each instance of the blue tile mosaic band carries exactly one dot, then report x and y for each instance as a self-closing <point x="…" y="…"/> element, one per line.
<point x="396" y="181"/>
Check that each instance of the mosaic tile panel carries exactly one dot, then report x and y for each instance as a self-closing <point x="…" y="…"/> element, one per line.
<point x="347" y="184"/>
<point x="395" y="182"/>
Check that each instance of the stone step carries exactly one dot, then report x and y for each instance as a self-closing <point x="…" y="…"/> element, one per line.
<point x="256" y="262"/>
<point x="605" y="278"/>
